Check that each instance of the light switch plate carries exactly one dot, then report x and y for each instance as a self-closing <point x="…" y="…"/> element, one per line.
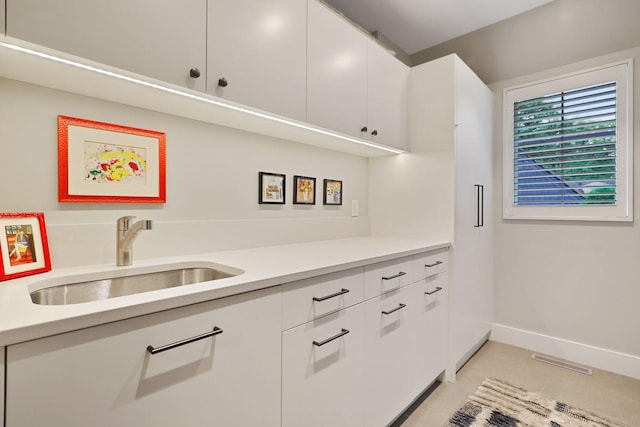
<point x="355" y="208"/>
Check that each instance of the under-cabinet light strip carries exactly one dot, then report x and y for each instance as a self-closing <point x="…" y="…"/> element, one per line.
<point x="195" y="97"/>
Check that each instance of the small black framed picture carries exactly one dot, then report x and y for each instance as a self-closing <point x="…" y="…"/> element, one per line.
<point x="304" y="192"/>
<point x="272" y="188"/>
<point x="332" y="192"/>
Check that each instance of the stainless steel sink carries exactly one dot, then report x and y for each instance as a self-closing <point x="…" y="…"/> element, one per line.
<point x="100" y="289"/>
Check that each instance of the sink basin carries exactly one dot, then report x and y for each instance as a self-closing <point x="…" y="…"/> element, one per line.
<point x="112" y="287"/>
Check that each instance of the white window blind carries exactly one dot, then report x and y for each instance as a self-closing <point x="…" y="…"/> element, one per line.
<point x="565" y="147"/>
<point x="568" y="147"/>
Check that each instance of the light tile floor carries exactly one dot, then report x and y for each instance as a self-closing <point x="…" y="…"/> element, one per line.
<point x="610" y="395"/>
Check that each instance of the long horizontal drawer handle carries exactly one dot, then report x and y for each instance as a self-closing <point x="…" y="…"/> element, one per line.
<point x="337" y="294"/>
<point x="437" y="289"/>
<point x="399" y="307"/>
<point x="154" y="350"/>
<point x="395" y="276"/>
<point x="435" y="264"/>
<point x="342" y="333"/>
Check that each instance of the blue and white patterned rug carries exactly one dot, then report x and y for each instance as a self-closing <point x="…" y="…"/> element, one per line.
<point x="497" y="403"/>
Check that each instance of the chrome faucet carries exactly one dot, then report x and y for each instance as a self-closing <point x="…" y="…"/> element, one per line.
<point x="127" y="233"/>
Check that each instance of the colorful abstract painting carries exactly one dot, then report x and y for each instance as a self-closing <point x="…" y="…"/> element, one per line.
<point x="107" y="163"/>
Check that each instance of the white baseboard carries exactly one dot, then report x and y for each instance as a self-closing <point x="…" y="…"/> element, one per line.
<point x="599" y="358"/>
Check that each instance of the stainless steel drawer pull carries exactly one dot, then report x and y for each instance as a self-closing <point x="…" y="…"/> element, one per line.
<point x="395" y="276"/>
<point x="154" y="350"/>
<point x="435" y="264"/>
<point x="337" y="294"/>
<point x="342" y="333"/>
<point x="437" y="289"/>
<point x="399" y="307"/>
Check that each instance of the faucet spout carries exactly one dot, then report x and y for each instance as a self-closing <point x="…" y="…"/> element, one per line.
<point x="127" y="231"/>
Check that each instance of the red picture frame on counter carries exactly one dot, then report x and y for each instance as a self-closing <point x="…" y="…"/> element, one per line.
<point x="24" y="248"/>
<point x="104" y="162"/>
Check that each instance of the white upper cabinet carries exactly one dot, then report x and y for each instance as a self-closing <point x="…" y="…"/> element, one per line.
<point x="293" y="58"/>
<point x="256" y="54"/>
<point x="161" y="39"/>
<point x="387" y="81"/>
<point x="336" y="72"/>
<point x="354" y="85"/>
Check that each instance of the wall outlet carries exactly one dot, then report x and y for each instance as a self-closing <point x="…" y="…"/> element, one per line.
<point x="355" y="208"/>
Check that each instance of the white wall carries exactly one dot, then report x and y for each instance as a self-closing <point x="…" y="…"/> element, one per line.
<point x="573" y="280"/>
<point x="555" y="34"/>
<point x="212" y="183"/>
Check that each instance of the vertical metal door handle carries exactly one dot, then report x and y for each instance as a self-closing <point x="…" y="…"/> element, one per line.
<point x="479" y="205"/>
<point x="482" y="206"/>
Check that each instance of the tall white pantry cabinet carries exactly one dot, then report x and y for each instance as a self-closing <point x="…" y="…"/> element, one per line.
<point x="443" y="188"/>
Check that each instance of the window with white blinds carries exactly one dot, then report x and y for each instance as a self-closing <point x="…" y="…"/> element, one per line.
<point x="568" y="147"/>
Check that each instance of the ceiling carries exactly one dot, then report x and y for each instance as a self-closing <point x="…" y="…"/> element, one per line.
<point x="414" y="25"/>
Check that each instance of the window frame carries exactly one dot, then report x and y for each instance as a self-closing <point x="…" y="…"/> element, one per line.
<point x="622" y="73"/>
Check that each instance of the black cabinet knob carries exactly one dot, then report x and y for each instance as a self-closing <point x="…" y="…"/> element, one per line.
<point x="364" y="129"/>
<point x="374" y="133"/>
<point x="194" y="72"/>
<point x="223" y="82"/>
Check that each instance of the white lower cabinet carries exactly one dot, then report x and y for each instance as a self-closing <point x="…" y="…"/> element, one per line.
<point x="322" y="371"/>
<point x="406" y="347"/>
<point x="390" y="328"/>
<point x="365" y="364"/>
<point x="432" y="297"/>
<point x="349" y="348"/>
<point x="107" y="376"/>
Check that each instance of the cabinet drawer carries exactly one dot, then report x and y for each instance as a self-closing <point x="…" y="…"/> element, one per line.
<point x="387" y="276"/>
<point x="322" y="378"/>
<point x="394" y="361"/>
<point x="432" y="297"/>
<point x="106" y="376"/>
<point x="430" y="263"/>
<point x="315" y="297"/>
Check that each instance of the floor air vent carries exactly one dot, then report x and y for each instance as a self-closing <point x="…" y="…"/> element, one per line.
<point x="561" y="364"/>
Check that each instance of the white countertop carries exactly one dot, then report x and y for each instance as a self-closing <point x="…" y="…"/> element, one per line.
<point x="21" y="320"/>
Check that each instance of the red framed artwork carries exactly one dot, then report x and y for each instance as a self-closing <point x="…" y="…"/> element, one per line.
<point x="103" y="162"/>
<point x="24" y="249"/>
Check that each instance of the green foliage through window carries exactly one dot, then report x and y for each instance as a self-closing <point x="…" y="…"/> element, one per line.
<point x="564" y="148"/>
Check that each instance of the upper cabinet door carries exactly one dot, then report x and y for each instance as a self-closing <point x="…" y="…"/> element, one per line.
<point x="336" y="72"/>
<point x="257" y="54"/>
<point x="387" y="97"/>
<point x="162" y="39"/>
